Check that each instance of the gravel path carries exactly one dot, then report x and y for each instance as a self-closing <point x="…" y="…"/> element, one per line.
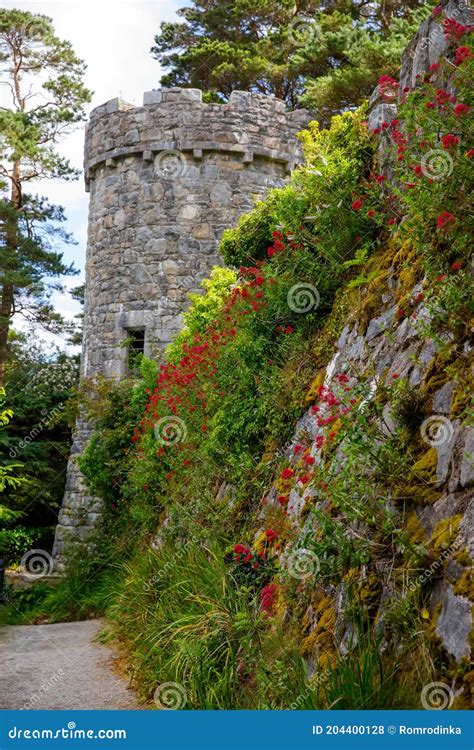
<point x="59" y="666"/>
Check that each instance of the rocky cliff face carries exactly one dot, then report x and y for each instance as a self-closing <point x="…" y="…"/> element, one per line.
<point x="376" y="348"/>
<point x="373" y="343"/>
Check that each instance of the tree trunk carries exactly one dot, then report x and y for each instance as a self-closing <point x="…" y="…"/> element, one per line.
<point x="6" y="306"/>
<point x="5" y="317"/>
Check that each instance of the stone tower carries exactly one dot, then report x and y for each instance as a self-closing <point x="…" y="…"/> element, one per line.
<point x="165" y="180"/>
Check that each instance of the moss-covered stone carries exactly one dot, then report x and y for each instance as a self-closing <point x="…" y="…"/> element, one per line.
<point x="465" y="585"/>
<point x="444" y="534"/>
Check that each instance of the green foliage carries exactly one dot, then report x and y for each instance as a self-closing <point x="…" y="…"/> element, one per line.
<point x="44" y="99"/>
<point x="331" y="53"/>
<point x="196" y="628"/>
<point x="316" y="205"/>
<point x="194" y="464"/>
<point x="21" y="539"/>
<point x="367" y="51"/>
<point x="41" y="384"/>
<point x="9" y="477"/>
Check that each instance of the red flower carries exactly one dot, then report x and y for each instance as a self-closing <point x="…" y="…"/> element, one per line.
<point x="440" y="278"/>
<point x="462" y="54"/>
<point x="434" y="67"/>
<point x="357" y="205"/>
<point x="268" y="597"/>
<point x="457" y="265"/>
<point x="449" y="141"/>
<point x="289" y="329"/>
<point x="271" y="535"/>
<point x="319" y="441"/>
<point x="470" y="153"/>
<point x="298" y="449"/>
<point x="430" y="105"/>
<point x="418" y="170"/>
<point x="453" y="29"/>
<point x="287" y="473"/>
<point x="370" y="214"/>
<point x="380" y="178"/>
<point x="392" y="222"/>
<point x="309" y="460"/>
<point x="461" y="109"/>
<point x="445" y="218"/>
<point x="388" y="87"/>
<point x="420" y="297"/>
<point x="283" y="500"/>
<point x="395" y="376"/>
<point x="438" y="10"/>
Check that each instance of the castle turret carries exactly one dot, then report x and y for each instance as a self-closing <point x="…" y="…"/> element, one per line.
<point x="165" y="180"/>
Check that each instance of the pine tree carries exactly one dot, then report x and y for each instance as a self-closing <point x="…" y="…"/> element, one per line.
<point x="43" y="98"/>
<point x="325" y="55"/>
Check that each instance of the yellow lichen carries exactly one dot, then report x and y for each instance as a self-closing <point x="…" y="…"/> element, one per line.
<point x="414" y="528"/>
<point x="425" y="468"/>
<point x="444" y="534"/>
<point x="465" y="585"/>
<point x="321" y="638"/>
<point x="316" y="383"/>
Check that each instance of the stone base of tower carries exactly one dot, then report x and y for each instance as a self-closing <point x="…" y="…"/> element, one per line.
<point x="80" y="511"/>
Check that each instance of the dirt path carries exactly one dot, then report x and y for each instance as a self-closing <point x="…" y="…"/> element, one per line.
<point x="59" y="666"/>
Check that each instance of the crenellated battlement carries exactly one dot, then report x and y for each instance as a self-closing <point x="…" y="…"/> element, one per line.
<point x="248" y="126"/>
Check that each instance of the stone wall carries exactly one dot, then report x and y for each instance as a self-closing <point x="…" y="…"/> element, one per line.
<point x="383" y="346"/>
<point x="165" y="180"/>
<point x="375" y="350"/>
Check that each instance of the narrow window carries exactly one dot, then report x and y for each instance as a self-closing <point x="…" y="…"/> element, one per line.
<point x="136" y="347"/>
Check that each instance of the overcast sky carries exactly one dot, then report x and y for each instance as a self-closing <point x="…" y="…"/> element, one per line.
<point x="114" y="38"/>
